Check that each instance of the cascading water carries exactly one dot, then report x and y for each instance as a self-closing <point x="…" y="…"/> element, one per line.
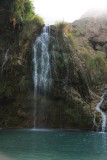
<point x="42" y="68"/>
<point x="5" y="59"/>
<point x="103" y="127"/>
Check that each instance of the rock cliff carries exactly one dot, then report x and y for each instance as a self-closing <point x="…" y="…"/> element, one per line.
<point x="72" y="48"/>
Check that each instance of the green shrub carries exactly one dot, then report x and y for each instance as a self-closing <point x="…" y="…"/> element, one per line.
<point x="59" y="23"/>
<point x="65" y="29"/>
<point x="72" y="39"/>
<point x="22" y="11"/>
<point x="38" y="19"/>
<point x="80" y="32"/>
<point x="98" y="68"/>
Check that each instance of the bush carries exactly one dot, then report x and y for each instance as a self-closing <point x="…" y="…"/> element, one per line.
<point x="98" y="68"/>
<point x="80" y="32"/>
<point x="38" y="19"/>
<point x="72" y="39"/>
<point x="22" y="11"/>
<point x="66" y="30"/>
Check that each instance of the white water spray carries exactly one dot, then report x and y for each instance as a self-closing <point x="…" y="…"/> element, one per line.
<point x="42" y="68"/>
<point x="5" y="59"/>
<point x="104" y="119"/>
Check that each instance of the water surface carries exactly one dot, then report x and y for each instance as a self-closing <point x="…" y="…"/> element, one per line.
<point x="52" y="145"/>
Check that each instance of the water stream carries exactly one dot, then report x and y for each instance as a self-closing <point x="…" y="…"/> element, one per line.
<point x="42" y="68"/>
<point x="5" y="59"/>
<point x="104" y="119"/>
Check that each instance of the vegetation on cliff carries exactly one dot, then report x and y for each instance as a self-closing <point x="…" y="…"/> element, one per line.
<point x="19" y="25"/>
<point x="78" y="64"/>
<point x="67" y="104"/>
<point x="92" y="47"/>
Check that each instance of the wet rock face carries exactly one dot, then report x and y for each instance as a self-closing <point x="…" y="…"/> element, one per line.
<point x="4" y="12"/>
<point x="4" y="3"/>
<point x="66" y="105"/>
<point x="67" y="68"/>
<point x="16" y="82"/>
<point x="53" y="30"/>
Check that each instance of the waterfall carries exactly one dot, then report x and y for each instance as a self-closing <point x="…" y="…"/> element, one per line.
<point x="42" y="68"/>
<point x="103" y="127"/>
<point x="5" y="59"/>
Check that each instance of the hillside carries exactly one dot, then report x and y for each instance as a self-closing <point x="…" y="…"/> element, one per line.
<point x="51" y="76"/>
<point x="91" y="38"/>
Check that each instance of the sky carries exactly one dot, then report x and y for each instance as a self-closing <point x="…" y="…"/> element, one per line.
<point x="53" y="11"/>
